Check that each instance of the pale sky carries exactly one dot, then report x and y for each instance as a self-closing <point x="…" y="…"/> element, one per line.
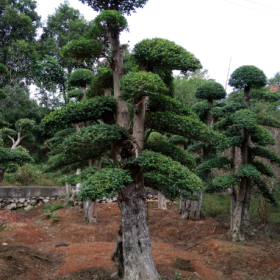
<point x="213" y="30"/>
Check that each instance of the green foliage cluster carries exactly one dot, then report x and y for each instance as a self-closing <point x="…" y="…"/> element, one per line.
<point x="262" y="136"/>
<point x="268" y="121"/>
<point x="81" y="78"/>
<point x="104" y="183"/>
<point x="85" y="110"/>
<point x="211" y="91"/>
<point x="161" y="145"/>
<point x="168" y="176"/>
<point x="76" y="93"/>
<point x="225" y="181"/>
<point x="123" y="6"/>
<point x="24" y="124"/>
<point x="138" y="84"/>
<point x="227" y="110"/>
<point x="189" y="127"/>
<point x="84" y="48"/>
<point x="89" y="142"/>
<point x="204" y="169"/>
<point x="201" y="109"/>
<point x="249" y="171"/>
<point x="3" y="70"/>
<point x="177" y="139"/>
<point x="9" y="156"/>
<point x="103" y="81"/>
<point x="265" y="94"/>
<point x="112" y="21"/>
<point x="266" y="153"/>
<point x="163" y="54"/>
<point x="247" y="76"/>
<point x="165" y="103"/>
<point x="263" y="168"/>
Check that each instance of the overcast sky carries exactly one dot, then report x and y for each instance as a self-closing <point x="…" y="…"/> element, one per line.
<point x="213" y="30"/>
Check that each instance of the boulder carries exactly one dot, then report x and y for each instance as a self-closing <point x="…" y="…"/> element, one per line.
<point x="19" y="205"/>
<point x="21" y="200"/>
<point x="45" y="200"/>
<point x="11" y="206"/>
<point x="28" y="207"/>
<point x="33" y="202"/>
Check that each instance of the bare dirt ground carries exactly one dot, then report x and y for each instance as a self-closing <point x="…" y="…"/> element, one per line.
<point x="28" y="252"/>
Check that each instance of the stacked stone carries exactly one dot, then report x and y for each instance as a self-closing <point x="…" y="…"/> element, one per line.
<point x="24" y="202"/>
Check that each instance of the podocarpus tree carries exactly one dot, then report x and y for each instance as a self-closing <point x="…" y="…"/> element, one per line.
<point x="131" y="165"/>
<point x="243" y="127"/>
<point x="207" y="93"/>
<point x="11" y="154"/>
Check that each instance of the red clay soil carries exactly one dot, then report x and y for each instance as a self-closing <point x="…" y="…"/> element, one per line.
<point x="88" y="256"/>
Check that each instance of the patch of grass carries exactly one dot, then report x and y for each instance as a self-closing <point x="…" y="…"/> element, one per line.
<point x="50" y="210"/>
<point x="215" y="204"/>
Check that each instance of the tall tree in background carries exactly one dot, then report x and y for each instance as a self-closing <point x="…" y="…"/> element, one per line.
<point x="243" y="127"/>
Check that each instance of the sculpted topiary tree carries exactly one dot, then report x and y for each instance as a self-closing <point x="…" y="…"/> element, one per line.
<point x="243" y="127"/>
<point x="208" y="92"/>
<point x="130" y="164"/>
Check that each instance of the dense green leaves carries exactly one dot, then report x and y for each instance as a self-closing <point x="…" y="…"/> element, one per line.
<point x="263" y="168"/>
<point x="211" y="91"/>
<point x="81" y="78"/>
<point x="84" y="48"/>
<point x="110" y="21"/>
<point x="104" y="183"/>
<point x="159" y="53"/>
<point x="249" y="171"/>
<point x="168" y="172"/>
<point x="83" y="111"/>
<point x="188" y="127"/>
<point x="266" y="153"/>
<point x="123" y="6"/>
<point x="226" y="181"/>
<point x="268" y="121"/>
<point x="138" y="84"/>
<point x="160" y="145"/>
<point x="201" y="108"/>
<point x="262" y="136"/>
<point x="103" y="81"/>
<point x="247" y="76"/>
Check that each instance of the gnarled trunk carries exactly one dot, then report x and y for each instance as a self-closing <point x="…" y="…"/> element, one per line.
<point x="90" y="207"/>
<point x="122" y="116"/>
<point x="133" y="253"/>
<point x="161" y="201"/>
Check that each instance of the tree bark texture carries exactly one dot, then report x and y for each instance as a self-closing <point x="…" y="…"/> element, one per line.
<point x="107" y="91"/>
<point x="190" y="209"/>
<point x="246" y="97"/>
<point x="90" y="211"/>
<point x="161" y="201"/>
<point x="2" y="172"/>
<point x="122" y="116"/>
<point x="133" y="252"/>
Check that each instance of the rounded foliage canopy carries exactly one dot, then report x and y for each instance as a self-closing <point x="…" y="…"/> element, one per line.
<point x="247" y="76"/>
<point x="83" y="48"/>
<point x="159" y="53"/>
<point x="210" y="91"/>
<point x="3" y="94"/>
<point x="137" y="84"/>
<point x="76" y="93"/>
<point x="110" y="21"/>
<point x="103" y="81"/>
<point x="124" y="6"/>
<point x="81" y="78"/>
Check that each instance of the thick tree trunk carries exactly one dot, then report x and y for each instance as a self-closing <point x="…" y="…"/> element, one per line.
<point x="122" y="116"/>
<point x="161" y="201"/>
<point x="246" y="206"/>
<point x="240" y="196"/>
<point x="133" y="253"/>
<point x="190" y="209"/>
<point x="90" y="211"/>
<point x="84" y="89"/>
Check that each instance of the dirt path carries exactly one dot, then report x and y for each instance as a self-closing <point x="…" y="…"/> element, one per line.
<point x="30" y="253"/>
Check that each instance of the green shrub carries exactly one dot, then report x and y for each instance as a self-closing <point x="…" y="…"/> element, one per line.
<point x="9" y="178"/>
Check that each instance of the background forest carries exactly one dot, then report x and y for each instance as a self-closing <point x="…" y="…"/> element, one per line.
<point x="37" y="78"/>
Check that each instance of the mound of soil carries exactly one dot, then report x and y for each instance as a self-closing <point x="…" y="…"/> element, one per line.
<point x="24" y="263"/>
